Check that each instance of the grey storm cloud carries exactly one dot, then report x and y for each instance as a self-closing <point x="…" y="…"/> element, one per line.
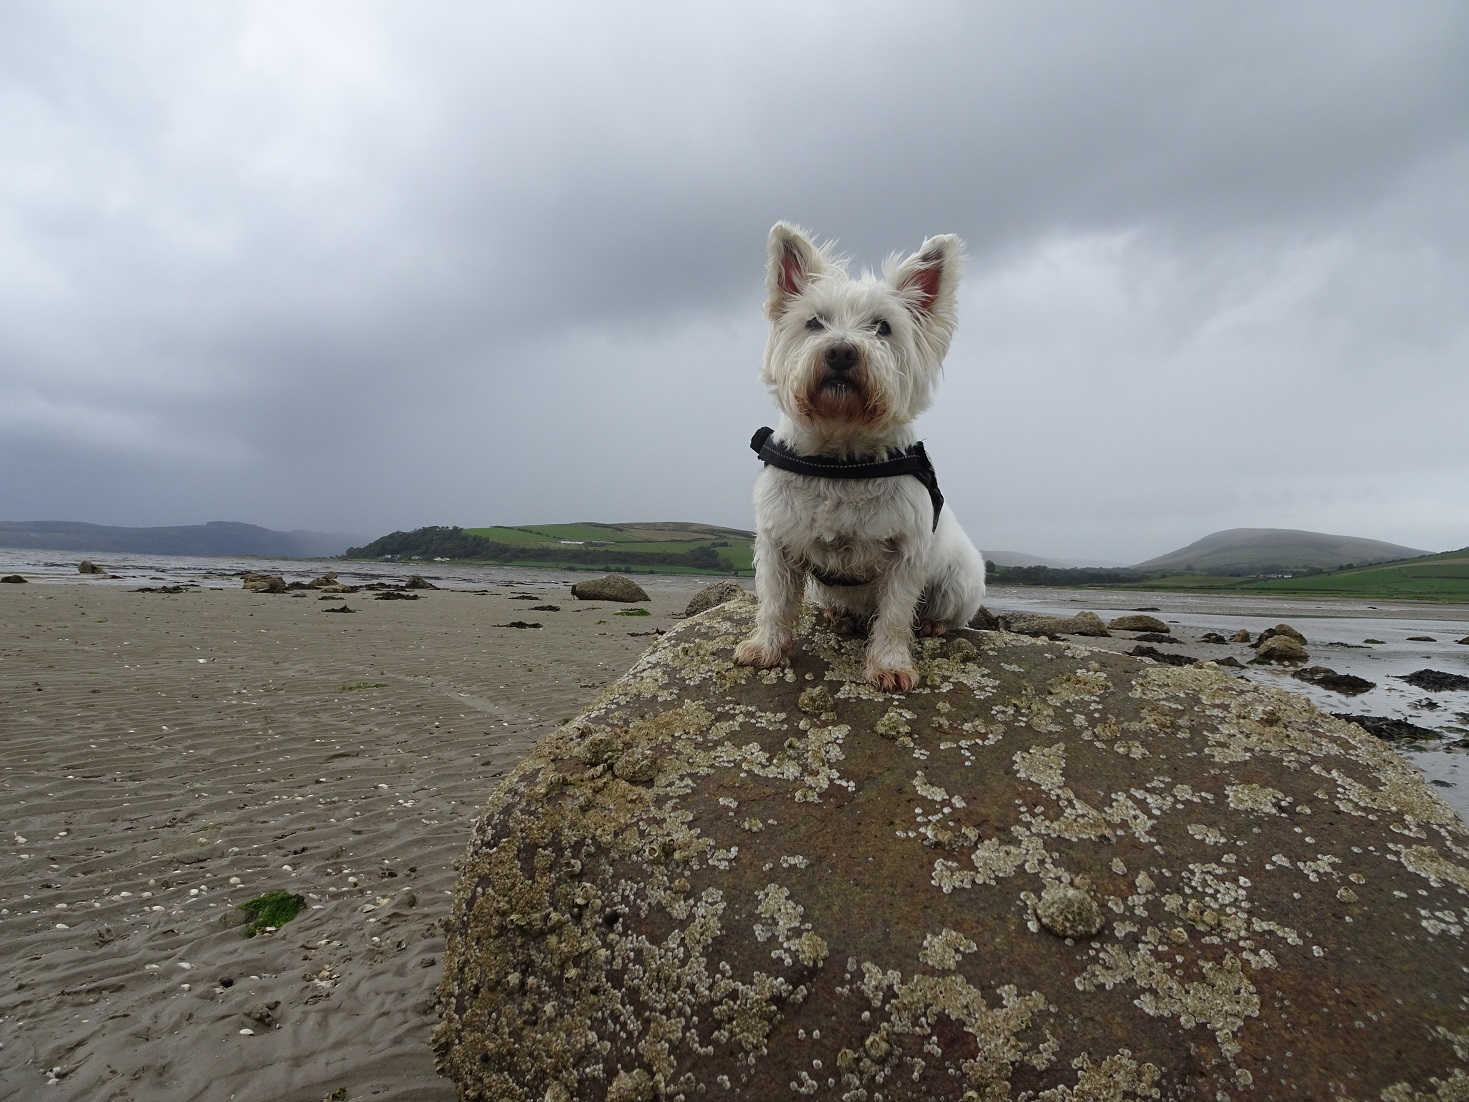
<point x="360" y="267"/>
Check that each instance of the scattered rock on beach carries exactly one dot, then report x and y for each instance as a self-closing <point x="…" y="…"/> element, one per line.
<point x="1155" y="637"/>
<point x="164" y="588"/>
<point x="609" y="587"/>
<point x="396" y="595"/>
<point x="545" y="608"/>
<point x="341" y="608"/>
<point x="1280" y="630"/>
<point x="1241" y="636"/>
<point x="1083" y="623"/>
<point x="1327" y="678"/>
<point x="13" y="579"/>
<point x="1435" y="681"/>
<point x="1168" y="658"/>
<point x="1282" y="649"/>
<point x="1137" y="623"/>
<point x="1212" y="637"/>
<point x="87" y="566"/>
<point x="1390" y="730"/>
<point x="325" y="581"/>
<point x="417" y="581"/>
<point x="518" y="624"/>
<point x="630" y="922"/>
<point x="1422" y="639"/>
<point x="264" y="583"/>
<point x="1229" y="660"/>
<point x="715" y="593"/>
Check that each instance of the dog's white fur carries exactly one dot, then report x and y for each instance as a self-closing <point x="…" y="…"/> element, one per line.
<point x="880" y="528"/>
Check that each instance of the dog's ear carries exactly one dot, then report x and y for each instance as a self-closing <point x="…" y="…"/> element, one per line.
<point x="794" y="263"/>
<point x="928" y="280"/>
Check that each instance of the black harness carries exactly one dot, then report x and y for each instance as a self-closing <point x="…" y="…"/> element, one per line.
<point x="911" y="461"/>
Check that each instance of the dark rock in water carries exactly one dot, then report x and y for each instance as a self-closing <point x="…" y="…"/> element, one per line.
<point x="341" y="608"/>
<point x="1241" y="636"/>
<point x="715" y="593"/>
<point x="264" y="583"/>
<point x="1047" y="872"/>
<point x="87" y="566"/>
<point x="1422" y="639"/>
<point x="1390" y="730"/>
<point x="416" y="581"/>
<point x="1083" y="623"/>
<point x="397" y="595"/>
<point x="14" y="579"/>
<point x="1435" y="681"/>
<point x="1137" y="623"/>
<point x="609" y="587"/>
<point x="1155" y="637"/>
<point x="1166" y="657"/>
<point x="1148" y="608"/>
<point x="1277" y="631"/>
<point x="1427" y="703"/>
<point x="1212" y="637"/>
<point x="985" y="620"/>
<point x="518" y="624"/>
<point x="1283" y="649"/>
<point x="1377" y="642"/>
<point x="325" y="581"/>
<point x="1463" y="642"/>
<point x="1229" y="660"/>
<point x="1328" y="678"/>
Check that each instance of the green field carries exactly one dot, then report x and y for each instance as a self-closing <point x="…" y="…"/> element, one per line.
<point x="1441" y="577"/>
<point x="735" y="548"/>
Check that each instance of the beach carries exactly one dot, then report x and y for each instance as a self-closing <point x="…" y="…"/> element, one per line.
<point x="169" y="756"/>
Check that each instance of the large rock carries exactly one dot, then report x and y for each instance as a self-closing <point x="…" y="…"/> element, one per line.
<point x="609" y="587"/>
<point x="87" y="566"/>
<point x="14" y="578"/>
<point x="1083" y="623"/>
<point x="1137" y="623"/>
<point x="715" y="593"/>
<point x="264" y="583"/>
<point x="1047" y="869"/>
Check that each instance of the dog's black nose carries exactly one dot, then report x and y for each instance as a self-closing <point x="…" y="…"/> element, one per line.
<point x="841" y="358"/>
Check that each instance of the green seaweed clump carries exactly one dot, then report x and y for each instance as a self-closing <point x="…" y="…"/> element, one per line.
<point x="271" y="911"/>
<point x="633" y="612"/>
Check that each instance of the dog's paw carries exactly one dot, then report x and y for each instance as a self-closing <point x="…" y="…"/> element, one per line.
<point x="930" y="627"/>
<point x="755" y="652"/>
<point x="891" y="679"/>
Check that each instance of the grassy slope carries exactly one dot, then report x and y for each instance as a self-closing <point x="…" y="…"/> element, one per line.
<point x="1442" y="577"/>
<point x="656" y="536"/>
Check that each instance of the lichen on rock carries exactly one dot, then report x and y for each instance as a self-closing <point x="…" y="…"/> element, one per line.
<point x="1047" y="872"/>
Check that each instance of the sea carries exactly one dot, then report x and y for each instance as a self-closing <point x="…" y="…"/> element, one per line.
<point x="1407" y="636"/>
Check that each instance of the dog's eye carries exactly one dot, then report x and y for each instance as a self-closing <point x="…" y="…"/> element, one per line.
<point x="882" y="327"/>
<point x="816" y="325"/>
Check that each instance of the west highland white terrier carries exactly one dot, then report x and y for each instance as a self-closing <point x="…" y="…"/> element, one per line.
<point x="847" y="508"/>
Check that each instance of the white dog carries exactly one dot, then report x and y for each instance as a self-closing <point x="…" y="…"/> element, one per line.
<point x="848" y="507"/>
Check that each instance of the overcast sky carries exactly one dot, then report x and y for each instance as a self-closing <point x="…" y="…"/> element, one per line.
<point x="359" y="267"/>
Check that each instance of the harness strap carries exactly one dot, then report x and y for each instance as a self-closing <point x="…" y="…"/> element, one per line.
<point x="912" y="461"/>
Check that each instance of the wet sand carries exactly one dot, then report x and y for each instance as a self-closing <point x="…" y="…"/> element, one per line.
<point x="168" y="757"/>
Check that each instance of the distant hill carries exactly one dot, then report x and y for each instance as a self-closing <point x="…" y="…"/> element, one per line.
<point x="218" y="537"/>
<point x="651" y="547"/>
<point x="1024" y="558"/>
<point x="1253" y="551"/>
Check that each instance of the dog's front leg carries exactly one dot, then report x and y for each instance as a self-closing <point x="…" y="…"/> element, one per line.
<point x="779" y="584"/>
<point x="889" y="664"/>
